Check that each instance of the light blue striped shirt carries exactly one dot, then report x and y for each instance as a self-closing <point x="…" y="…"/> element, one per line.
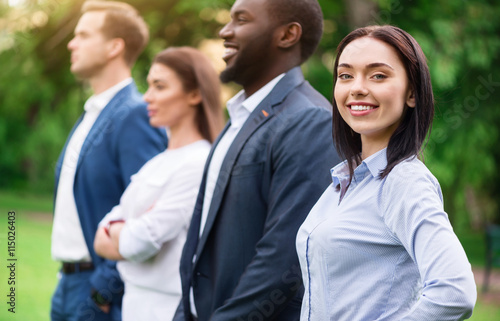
<point x="383" y="249"/>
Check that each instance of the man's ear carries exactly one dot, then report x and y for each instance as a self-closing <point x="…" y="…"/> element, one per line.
<point x="116" y="47"/>
<point x="289" y="35"/>
<point x="410" y="98"/>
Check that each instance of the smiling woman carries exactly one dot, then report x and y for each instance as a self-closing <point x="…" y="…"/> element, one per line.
<point x="372" y="92"/>
<point x="378" y="245"/>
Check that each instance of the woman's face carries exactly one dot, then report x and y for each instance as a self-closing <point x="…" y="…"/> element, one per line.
<point x="168" y="104"/>
<point x="372" y="90"/>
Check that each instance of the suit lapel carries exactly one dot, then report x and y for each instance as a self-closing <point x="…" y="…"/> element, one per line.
<point x="194" y="228"/>
<point x="262" y="113"/>
<point x="102" y="125"/>
<point x="201" y="194"/>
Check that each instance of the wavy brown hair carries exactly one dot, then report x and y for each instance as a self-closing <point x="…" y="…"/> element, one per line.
<point x="196" y="72"/>
<point x="407" y="140"/>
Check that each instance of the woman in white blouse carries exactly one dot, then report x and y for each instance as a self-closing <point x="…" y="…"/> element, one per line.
<point x="147" y="230"/>
<point x="378" y="245"/>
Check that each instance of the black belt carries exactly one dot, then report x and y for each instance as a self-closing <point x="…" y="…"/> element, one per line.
<point x="76" y="267"/>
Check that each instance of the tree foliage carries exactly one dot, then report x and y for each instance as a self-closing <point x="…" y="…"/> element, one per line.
<point x="460" y="39"/>
<point x="40" y="99"/>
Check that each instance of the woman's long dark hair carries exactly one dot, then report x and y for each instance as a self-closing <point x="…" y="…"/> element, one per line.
<point x="196" y="72"/>
<point x="408" y="138"/>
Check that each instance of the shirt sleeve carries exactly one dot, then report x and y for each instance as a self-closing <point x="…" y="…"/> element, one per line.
<point x="115" y="214"/>
<point x="142" y="237"/>
<point x="413" y="211"/>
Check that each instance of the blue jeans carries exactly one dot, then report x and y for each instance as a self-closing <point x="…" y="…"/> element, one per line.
<point x="71" y="301"/>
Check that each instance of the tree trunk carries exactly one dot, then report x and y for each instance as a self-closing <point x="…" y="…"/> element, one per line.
<point x="361" y="12"/>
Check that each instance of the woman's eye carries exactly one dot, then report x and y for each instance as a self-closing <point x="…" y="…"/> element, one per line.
<point x="379" y="76"/>
<point x="345" y="76"/>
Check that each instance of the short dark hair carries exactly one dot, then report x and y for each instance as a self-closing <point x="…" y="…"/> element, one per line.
<point x="196" y="72"/>
<point x="407" y="140"/>
<point x="308" y="14"/>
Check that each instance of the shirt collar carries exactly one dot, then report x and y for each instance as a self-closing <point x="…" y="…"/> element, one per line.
<point x="96" y="103"/>
<point x="339" y="173"/>
<point x="377" y="162"/>
<point x="240" y="106"/>
<point x="374" y="164"/>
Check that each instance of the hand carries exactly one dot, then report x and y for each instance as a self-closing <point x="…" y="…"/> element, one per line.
<point x="101" y="242"/>
<point x="114" y="233"/>
<point x="104" y="246"/>
<point x="101" y="302"/>
<point x="104" y="308"/>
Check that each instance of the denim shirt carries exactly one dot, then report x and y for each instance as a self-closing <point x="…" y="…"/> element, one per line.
<point x="383" y="249"/>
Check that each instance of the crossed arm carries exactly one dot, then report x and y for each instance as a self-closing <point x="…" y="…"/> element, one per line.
<point x="107" y="245"/>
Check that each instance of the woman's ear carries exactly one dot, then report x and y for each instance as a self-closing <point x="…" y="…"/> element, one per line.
<point x="289" y="35"/>
<point x="194" y="97"/>
<point x="410" y="98"/>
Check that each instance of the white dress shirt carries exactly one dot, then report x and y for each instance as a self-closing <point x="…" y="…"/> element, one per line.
<point x="68" y="242"/>
<point x="157" y="207"/>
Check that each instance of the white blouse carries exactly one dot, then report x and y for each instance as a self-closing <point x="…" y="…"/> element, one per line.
<point x="157" y="207"/>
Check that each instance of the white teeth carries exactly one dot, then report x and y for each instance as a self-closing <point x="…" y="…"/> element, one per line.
<point x="229" y="51"/>
<point x="361" y="107"/>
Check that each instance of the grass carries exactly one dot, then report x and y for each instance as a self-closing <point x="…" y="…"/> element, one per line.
<point x="475" y="247"/>
<point x="486" y="312"/>
<point x="36" y="272"/>
<point x="25" y="202"/>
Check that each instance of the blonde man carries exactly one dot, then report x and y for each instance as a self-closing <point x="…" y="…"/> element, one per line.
<point x="109" y="143"/>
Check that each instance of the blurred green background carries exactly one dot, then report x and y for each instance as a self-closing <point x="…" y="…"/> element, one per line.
<point x="40" y="101"/>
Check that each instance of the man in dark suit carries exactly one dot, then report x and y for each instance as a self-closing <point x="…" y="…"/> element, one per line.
<point x="265" y="172"/>
<point x="108" y="144"/>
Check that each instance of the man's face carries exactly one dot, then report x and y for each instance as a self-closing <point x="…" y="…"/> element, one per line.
<point x="248" y="39"/>
<point x="89" y="47"/>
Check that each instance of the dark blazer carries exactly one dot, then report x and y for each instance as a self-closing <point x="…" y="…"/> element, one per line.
<point x="119" y="143"/>
<point x="246" y="266"/>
